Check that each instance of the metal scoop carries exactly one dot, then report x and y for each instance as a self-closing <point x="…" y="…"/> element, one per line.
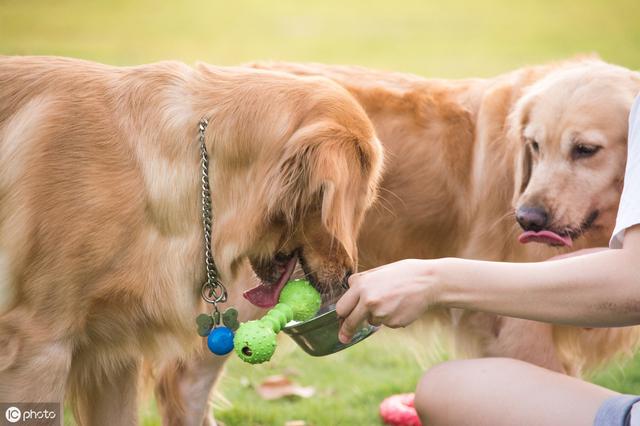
<point x="319" y="335"/>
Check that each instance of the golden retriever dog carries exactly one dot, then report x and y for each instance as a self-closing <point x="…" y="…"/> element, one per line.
<point x="101" y="241"/>
<point x="478" y="168"/>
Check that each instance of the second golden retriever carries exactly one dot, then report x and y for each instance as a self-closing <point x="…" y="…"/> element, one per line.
<point x="477" y="168"/>
<point x="471" y="164"/>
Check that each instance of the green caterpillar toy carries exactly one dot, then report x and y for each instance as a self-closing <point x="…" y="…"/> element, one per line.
<point x="255" y="341"/>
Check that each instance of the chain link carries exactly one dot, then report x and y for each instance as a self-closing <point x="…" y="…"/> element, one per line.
<point x="213" y="291"/>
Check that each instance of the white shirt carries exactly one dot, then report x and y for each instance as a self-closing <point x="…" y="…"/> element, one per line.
<point x="629" y="210"/>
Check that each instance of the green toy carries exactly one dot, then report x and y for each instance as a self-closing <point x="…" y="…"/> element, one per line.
<point x="255" y="341"/>
<point x="303" y="299"/>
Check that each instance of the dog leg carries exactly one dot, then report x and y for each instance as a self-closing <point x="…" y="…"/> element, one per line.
<point x="487" y="335"/>
<point x="33" y="367"/>
<point x="183" y="390"/>
<point x="528" y="341"/>
<point x="107" y="397"/>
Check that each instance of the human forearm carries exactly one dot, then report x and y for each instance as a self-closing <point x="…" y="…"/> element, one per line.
<point x="599" y="289"/>
<point x="595" y="290"/>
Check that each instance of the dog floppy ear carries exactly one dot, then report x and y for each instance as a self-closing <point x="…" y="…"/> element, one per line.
<point x="523" y="169"/>
<point x="517" y="121"/>
<point x="329" y="168"/>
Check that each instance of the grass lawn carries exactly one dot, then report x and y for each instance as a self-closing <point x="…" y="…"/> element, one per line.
<point x="454" y="38"/>
<point x="349" y="385"/>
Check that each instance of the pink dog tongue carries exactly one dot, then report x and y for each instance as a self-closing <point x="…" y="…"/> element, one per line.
<point x="266" y="296"/>
<point x="546" y="237"/>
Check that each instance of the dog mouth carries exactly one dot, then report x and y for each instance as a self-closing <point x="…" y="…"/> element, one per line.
<point x="547" y="237"/>
<point x="276" y="272"/>
<point x="273" y="277"/>
<point x="556" y="238"/>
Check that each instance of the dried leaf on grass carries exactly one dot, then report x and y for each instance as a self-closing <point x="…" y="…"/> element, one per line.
<point x="275" y="387"/>
<point x="291" y="372"/>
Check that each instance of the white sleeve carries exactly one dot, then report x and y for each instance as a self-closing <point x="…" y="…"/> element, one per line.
<point x="629" y="210"/>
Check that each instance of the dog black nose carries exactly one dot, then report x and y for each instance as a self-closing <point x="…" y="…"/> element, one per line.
<point x="532" y="218"/>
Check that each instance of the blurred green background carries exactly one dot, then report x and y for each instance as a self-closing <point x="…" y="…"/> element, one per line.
<point x="455" y="38"/>
<point x="452" y="38"/>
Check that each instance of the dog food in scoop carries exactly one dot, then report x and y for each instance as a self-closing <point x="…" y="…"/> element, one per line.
<point x="255" y="341"/>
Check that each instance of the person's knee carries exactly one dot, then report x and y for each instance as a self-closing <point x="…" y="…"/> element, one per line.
<point x="434" y="393"/>
<point x="446" y="386"/>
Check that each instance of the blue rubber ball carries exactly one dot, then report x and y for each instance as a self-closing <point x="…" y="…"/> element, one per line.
<point x="220" y="340"/>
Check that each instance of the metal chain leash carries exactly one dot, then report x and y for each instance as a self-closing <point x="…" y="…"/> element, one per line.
<point x="213" y="291"/>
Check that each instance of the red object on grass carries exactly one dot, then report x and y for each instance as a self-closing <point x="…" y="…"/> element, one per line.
<point x="398" y="410"/>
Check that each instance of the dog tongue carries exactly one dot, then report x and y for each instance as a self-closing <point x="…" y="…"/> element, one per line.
<point x="267" y="295"/>
<point x="546" y="237"/>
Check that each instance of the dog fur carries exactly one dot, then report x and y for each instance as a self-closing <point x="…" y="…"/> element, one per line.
<point x="101" y="247"/>
<point x="458" y="163"/>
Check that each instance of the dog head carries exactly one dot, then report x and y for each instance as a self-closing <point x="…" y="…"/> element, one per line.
<point x="296" y="191"/>
<point x="572" y="131"/>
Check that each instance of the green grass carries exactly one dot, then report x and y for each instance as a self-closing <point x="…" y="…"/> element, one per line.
<point x="454" y="38"/>
<point x="621" y="377"/>
<point x="349" y="385"/>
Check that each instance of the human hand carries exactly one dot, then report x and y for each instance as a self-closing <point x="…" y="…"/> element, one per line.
<point x="394" y="295"/>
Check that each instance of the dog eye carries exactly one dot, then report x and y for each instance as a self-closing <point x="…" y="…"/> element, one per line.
<point x="534" y="146"/>
<point x="584" y="151"/>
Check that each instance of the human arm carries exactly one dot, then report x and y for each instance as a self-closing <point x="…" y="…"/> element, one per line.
<point x="594" y="290"/>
